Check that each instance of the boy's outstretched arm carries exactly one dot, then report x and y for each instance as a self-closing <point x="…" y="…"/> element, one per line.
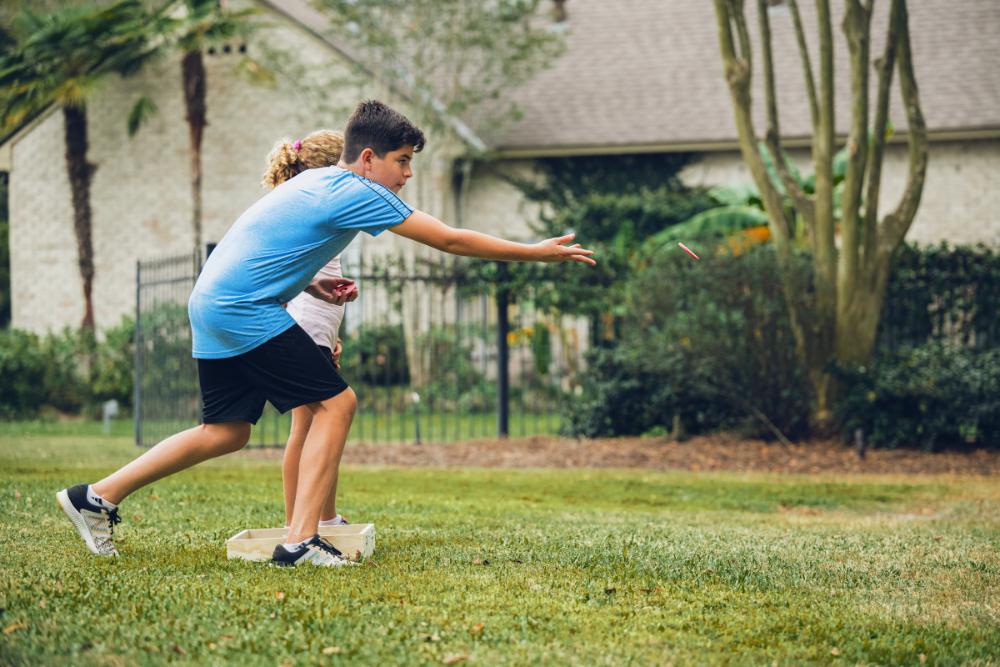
<point x="427" y="229"/>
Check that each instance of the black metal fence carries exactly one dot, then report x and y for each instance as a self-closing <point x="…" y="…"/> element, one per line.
<point x="431" y="354"/>
<point x="166" y="377"/>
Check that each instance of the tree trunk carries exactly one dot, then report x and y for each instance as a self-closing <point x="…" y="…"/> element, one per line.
<point x="193" y="71"/>
<point x="80" y="174"/>
<point x="858" y="319"/>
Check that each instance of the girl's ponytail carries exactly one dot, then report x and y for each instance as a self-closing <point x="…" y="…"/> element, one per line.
<point x="290" y="158"/>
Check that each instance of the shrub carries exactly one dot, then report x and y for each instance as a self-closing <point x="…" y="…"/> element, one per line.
<point x="69" y="371"/>
<point x="22" y="374"/>
<point x="622" y="395"/>
<point x="113" y="372"/>
<point x="944" y="293"/>
<point x="68" y="357"/>
<point x="376" y="356"/>
<point x="933" y="396"/>
<point x="456" y="382"/>
<point x="707" y="342"/>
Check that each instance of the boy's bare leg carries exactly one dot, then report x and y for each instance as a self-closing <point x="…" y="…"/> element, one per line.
<point x="174" y="454"/>
<point x="301" y="420"/>
<point x="324" y="445"/>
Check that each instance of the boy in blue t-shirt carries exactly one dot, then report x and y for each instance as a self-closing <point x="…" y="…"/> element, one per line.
<point x="250" y="350"/>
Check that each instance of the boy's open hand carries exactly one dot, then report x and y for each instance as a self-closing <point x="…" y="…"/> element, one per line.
<point x="556" y="250"/>
<point x="337" y="291"/>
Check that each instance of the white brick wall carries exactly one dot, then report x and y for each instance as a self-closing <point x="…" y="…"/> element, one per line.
<point x="45" y="278"/>
<point x="961" y="196"/>
<point x="494" y="205"/>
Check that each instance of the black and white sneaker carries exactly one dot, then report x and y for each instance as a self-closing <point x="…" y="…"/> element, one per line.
<point x="316" y="551"/>
<point x="95" y="524"/>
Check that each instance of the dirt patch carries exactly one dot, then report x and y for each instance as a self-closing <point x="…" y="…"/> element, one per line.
<point x="701" y="453"/>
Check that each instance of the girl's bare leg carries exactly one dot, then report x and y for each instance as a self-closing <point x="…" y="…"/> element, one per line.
<point x="319" y="460"/>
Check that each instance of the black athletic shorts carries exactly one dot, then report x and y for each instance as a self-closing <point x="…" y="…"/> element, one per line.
<point x="289" y="370"/>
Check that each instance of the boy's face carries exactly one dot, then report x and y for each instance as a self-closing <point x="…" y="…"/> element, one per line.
<point x="392" y="171"/>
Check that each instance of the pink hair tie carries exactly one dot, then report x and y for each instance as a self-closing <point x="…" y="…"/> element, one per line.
<point x="297" y="145"/>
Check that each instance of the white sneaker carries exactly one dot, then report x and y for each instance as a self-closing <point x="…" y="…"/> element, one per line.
<point x="335" y="521"/>
<point x="95" y="524"/>
<point x="316" y="551"/>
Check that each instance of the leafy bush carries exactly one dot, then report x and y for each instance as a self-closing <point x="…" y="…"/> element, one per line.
<point x="943" y="293"/>
<point x="169" y="390"/>
<point x="456" y="382"/>
<point x="933" y="396"/>
<point x="376" y="356"/>
<point x="112" y="375"/>
<point x="709" y="343"/>
<point x="22" y="374"/>
<point x="615" y="203"/>
<point x="68" y="371"/>
<point x="622" y="394"/>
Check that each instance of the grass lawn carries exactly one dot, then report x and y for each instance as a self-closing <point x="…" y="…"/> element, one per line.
<point x="505" y="567"/>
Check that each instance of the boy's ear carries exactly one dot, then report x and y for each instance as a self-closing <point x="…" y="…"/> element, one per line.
<point x="367" y="155"/>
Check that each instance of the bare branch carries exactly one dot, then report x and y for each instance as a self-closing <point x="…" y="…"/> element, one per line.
<point x="800" y="36"/>
<point x="765" y="47"/>
<point x="803" y="203"/>
<point x="857" y="29"/>
<point x="738" y="76"/>
<point x="897" y="223"/>
<point x="738" y="17"/>
<point x="826" y="250"/>
<point x="884" y="66"/>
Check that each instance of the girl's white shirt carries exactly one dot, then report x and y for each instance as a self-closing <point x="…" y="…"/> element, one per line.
<point x="321" y="320"/>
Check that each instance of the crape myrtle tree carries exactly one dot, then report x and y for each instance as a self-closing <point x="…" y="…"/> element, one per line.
<point x="839" y="324"/>
<point x="452" y="58"/>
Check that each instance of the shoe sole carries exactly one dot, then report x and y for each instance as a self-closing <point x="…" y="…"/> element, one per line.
<point x="78" y="522"/>
<point x="276" y="563"/>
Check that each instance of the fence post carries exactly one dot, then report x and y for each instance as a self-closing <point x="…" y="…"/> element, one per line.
<point x="503" y="353"/>
<point x="137" y="365"/>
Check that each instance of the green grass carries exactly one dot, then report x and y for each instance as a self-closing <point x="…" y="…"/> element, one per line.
<point x="505" y="567"/>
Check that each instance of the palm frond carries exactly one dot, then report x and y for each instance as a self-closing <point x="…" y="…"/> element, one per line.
<point x="143" y="108"/>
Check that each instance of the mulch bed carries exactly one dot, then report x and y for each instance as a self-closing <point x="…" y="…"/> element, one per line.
<point x="698" y="454"/>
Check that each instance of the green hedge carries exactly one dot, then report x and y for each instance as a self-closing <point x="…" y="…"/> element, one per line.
<point x="933" y="397"/>
<point x="69" y="372"/>
<point x="943" y="293"/>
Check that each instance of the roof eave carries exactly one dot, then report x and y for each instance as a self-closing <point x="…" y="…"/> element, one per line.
<point x="715" y="146"/>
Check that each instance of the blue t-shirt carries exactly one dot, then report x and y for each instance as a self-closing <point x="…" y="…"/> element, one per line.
<point x="273" y="251"/>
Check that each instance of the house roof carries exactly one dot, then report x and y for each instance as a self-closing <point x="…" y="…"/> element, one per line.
<point x="647" y="74"/>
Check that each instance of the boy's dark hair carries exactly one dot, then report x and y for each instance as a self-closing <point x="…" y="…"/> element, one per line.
<point x="377" y="126"/>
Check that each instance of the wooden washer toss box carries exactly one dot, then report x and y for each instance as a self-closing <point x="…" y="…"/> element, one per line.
<point x="356" y="541"/>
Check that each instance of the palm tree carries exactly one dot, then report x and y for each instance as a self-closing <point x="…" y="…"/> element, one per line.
<point x="60" y="58"/>
<point x="207" y="23"/>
